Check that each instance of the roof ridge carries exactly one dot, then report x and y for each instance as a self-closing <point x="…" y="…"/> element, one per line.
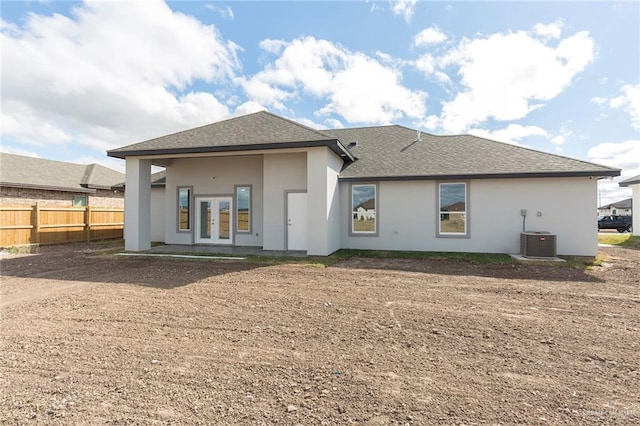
<point x="291" y="121"/>
<point x="368" y="127"/>
<point x="41" y="159"/>
<point x="237" y="117"/>
<point x="530" y="149"/>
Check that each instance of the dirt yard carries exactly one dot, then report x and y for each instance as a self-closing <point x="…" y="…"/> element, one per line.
<point x="92" y="338"/>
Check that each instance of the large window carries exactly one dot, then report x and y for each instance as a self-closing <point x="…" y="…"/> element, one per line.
<point x="243" y="208"/>
<point x="453" y="209"/>
<point x="364" y="220"/>
<point x="184" y="209"/>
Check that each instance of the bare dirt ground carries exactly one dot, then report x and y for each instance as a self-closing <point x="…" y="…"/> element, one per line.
<point x="91" y="338"/>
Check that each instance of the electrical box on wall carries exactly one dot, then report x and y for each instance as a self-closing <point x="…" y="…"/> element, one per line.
<point x="523" y="212"/>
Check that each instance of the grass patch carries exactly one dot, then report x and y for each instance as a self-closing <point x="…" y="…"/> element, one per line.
<point x="478" y="258"/>
<point x="613" y="239"/>
<point x="581" y="262"/>
<point x="632" y="242"/>
<point x="345" y="254"/>
<point x="622" y="240"/>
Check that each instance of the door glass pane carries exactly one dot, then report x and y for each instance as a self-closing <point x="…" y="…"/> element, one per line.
<point x="205" y="219"/>
<point x="224" y="214"/>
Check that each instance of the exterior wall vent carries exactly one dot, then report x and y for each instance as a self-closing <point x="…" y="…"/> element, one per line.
<point x="538" y="244"/>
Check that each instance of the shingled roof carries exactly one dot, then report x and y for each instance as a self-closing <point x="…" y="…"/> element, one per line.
<point x="260" y="130"/>
<point x="394" y="152"/>
<point x="622" y="204"/>
<point x="28" y="172"/>
<point x="381" y="152"/>
<point x="630" y="181"/>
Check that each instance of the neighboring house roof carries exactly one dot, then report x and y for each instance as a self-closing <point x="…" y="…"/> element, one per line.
<point x="381" y="153"/>
<point x="392" y="152"/>
<point x="459" y="206"/>
<point x="623" y="204"/>
<point x="157" y="179"/>
<point x="631" y="181"/>
<point x="367" y="205"/>
<point x="19" y="171"/>
<point x="260" y="130"/>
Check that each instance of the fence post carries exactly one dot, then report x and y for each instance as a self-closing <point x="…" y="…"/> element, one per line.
<point x="88" y="223"/>
<point x="36" y="223"/>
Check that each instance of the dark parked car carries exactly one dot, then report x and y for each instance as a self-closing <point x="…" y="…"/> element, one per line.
<point x="620" y="223"/>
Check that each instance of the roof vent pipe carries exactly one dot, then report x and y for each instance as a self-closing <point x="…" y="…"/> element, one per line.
<point x="418" y="136"/>
<point x="352" y="144"/>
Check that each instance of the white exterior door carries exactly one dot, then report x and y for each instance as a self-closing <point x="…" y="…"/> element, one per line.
<point x="296" y="221"/>
<point x="214" y="220"/>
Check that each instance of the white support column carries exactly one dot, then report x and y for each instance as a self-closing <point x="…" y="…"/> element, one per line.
<point x="323" y="210"/>
<point x="137" y="205"/>
<point x="635" y="209"/>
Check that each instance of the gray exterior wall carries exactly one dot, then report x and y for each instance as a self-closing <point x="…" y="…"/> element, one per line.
<point x="282" y="172"/>
<point x="210" y="176"/>
<point x="157" y="214"/>
<point x="407" y="215"/>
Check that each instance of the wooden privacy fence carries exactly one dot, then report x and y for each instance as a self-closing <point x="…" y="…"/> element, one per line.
<point x="50" y="225"/>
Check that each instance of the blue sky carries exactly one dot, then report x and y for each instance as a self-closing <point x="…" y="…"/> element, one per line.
<point x="79" y="78"/>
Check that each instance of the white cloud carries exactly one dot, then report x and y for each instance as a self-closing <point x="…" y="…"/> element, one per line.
<point x="506" y="76"/>
<point x="225" y="12"/>
<point x="512" y="134"/>
<point x="109" y="75"/>
<point x="598" y="100"/>
<point x="17" y="151"/>
<point x="272" y="46"/>
<point x="552" y="30"/>
<point x="560" y="139"/>
<point x="623" y="155"/>
<point x="352" y="85"/>
<point x="429" y="36"/>
<point x="404" y="8"/>
<point x="374" y="6"/>
<point x="629" y="100"/>
<point x="332" y="123"/>
<point x="248" y="108"/>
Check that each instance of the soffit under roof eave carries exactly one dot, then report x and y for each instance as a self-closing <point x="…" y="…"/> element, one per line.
<point x="252" y="149"/>
<point x="47" y="188"/>
<point x="590" y="174"/>
<point x="627" y="184"/>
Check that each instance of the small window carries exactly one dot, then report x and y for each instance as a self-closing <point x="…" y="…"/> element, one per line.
<point x="243" y="208"/>
<point x="80" y="201"/>
<point x="453" y="210"/>
<point x="184" y="209"/>
<point x="364" y="204"/>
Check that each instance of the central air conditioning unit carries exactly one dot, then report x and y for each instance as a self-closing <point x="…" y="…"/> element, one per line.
<point x="538" y="244"/>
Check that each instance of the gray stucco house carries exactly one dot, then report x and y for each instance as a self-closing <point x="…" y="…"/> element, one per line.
<point x="265" y="181"/>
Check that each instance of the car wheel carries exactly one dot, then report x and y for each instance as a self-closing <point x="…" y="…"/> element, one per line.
<point x="621" y="230"/>
<point x="629" y="228"/>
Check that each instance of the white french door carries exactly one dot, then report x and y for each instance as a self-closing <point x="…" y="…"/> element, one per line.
<point x="214" y="220"/>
